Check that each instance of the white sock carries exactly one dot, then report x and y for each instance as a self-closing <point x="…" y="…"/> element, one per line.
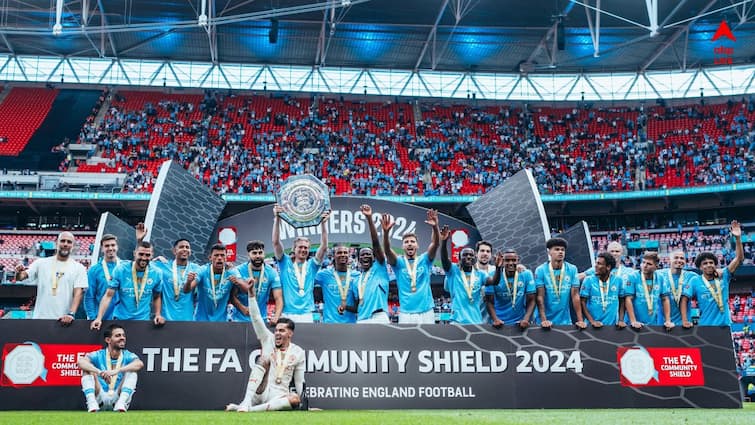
<point x="87" y="386"/>
<point x="255" y="379"/>
<point x="127" y="391"/>
<point x="275" y="404"/>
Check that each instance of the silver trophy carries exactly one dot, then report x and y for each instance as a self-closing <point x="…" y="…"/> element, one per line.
<point x="304" y="199"/>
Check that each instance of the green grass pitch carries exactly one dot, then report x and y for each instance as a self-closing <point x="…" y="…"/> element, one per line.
<point x="395" y="417"/>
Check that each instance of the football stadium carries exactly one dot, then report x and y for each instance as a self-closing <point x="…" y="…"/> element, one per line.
<point x="376" y="211"/>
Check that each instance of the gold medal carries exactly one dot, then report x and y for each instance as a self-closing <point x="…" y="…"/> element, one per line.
<point x="56" y="275"/>
<point x="343" y="289"/>
<point x="113" y="378"/>
<point x="604" y="292"/>
<point x="411" y="268"/>
<point x="363" y="284"/>
<point x="469" y="283"/>
<point x="676" y="291"/>
<point x="260" y="279"/>
<point x="280" y="366"/>
<point x="176" y="288"/>
<point x="513" y="288"/>
<point x="212" y="283"/>
<point x="557" y="284"/>
<point x="715" y="291"/>
<point x="301" y="276"/>
<point x="139" y="284"/>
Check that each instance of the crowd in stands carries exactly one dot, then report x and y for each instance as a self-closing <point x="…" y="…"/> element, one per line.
<point x="249" y="144"/>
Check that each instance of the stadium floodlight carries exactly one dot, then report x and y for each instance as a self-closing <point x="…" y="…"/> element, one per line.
<point x="57" y="29"/>
<point x="345" y="3"/>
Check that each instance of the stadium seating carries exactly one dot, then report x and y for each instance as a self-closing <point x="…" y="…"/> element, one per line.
<point x="21" y="113"/>
<point x="249" y="143"/>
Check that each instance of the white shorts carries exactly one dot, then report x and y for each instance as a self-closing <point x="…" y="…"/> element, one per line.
<point x="427" y="317"/>
<point x="380" y="317"/>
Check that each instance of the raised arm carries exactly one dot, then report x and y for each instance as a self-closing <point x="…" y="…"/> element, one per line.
<point x="263" y="334"/>
<point x="141" y="231"/>
<point x="444" y="259"/>
<point x="496" y="277"/>
<point x="323" y="249"/>
<point x="277" y="245"/>
<point x="377" y="250"/>
<point x="432" y="220"/>
<point x="736" y="231"/>
<point x="386" y="223"/>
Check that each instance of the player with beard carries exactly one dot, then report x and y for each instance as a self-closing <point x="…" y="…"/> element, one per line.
<point x="465" y="283"/>
<point x="109" y="375"/>
<point x="512" y="299"/>
<point x="557" y="287"/>
<point x="711" y="289"/>
<point x="600" y="294"/>
<point x="268" y="283"/>
<point x="99" y="275"/>
<point x="138" y="286"/>
<point x="336" y="283"/>
<point x="60" y="282"/>
<point x="484" y="253"/>
<point x="297" y="275"/>
<point x="280" y="361"/>
<point x="647" y="297"/>
<point x="675" y="278"/>
<point x="413" y="271"/>
<point x="178" y="296"/>
<point x="370" y="294"/>
<point x="213" y="283"/>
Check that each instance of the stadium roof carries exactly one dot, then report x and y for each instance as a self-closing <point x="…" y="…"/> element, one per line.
<point x="440" y="35"/>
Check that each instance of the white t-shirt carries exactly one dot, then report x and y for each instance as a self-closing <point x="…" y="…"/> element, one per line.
<point x="71" y="274"/>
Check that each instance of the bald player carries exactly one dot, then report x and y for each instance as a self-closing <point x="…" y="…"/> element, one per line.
<point x="675" y="277"/>
<point x="60" y="281"/>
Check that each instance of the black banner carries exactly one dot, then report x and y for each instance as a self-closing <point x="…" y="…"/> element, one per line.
<point x="203" y="366"/>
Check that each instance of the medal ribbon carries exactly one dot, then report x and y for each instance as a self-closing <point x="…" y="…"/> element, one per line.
<point x="676" y="291"/>
<point x="280" y="365"/>
<point x="363" y="278"/>
<point x="105" y="270"/>
<point x="604" y="292"/>
<point x="261" y="276"/>
<point x="213" y="284"/>
<point x="176" y="289"/>
<point x="55" y="276"/>
<point x="139" y="285"/>
<point x="716" y="292"/>
<point x="301" y="275"/>
<point x="647" y="292"/>
<point x="343" y="289"/>
<point x="113" y="378"/>
<point x="468" y="286"/>
<point x="512" y="292"/>
<point x="557" y="287"/>
<point x="412" y="269"/>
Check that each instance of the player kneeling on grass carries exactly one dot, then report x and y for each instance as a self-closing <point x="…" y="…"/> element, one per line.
<point x="109" y="374"/>
<point x="280" y="361"/>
